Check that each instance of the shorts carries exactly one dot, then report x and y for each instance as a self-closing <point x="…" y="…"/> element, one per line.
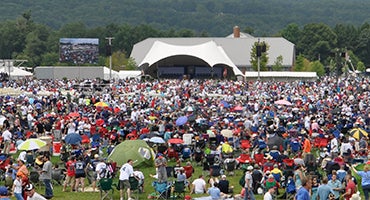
<point x="124" y="184"/>
<point x="70" y="179"/>
<point x="81" y="175"/>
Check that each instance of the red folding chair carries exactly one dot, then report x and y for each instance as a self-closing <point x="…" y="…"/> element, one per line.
<point x="259" y="159"/>
<point x="245" y="144"/>
<point x="244" y="158"/>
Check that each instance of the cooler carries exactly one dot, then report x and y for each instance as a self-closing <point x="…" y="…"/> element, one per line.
<point x="56" y="148"/>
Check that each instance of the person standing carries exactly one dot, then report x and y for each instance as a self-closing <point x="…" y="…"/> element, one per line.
<point x="365" y="179"/>
<point x="7" y="139"/>
<point x="125" y="172"/>
<point x="324" y="190"/>
<point x="335" y="185"/>
<point x="17" y="187"/>
<point x="71" y="174"/>
<point x="80" y="175"/>
<point x="350" y="187"/>
<point x="249" y="184"/>
<point x="46" y="177"/>
<point x="303" y="192"/>
<point x="161" y="164"/>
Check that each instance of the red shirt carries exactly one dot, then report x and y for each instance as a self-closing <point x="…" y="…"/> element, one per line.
<point x="71" y="171"/>
<point x="350" y="186"/>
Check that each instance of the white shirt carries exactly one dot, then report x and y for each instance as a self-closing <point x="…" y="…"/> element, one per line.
<point x="334" y="145"/>
<point x="125" y="172"/>
<point x="7" y="135"/>
<point x="17" y="186"/>
<point x="139" y="175"/>
<point x="36" y="196"/>
<point x="267" y="196"/>
<point x="199" y="185"/>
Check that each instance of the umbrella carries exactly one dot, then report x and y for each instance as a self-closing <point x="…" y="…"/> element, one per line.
<point x="175" y="141"/>
<point x="31" y="144"/>
<point x="73" y="138"/>
<point x="358" y="133"/>
<point x="283" y="102"/>
<point x="152" y="117"/>
<point x="181" y="120"/>
<point x="100" y="122"/>
<point x="224" y="104"/>
<point x="238" y="108"/>
<point x="227" y="133"/>
<point x="74" y="114"/>
<point x="101" y="104"/>
<point x="85" y="139"/>
<point x="157" y="140"/>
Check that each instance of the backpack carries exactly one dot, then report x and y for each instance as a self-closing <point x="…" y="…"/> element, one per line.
<point x="242" y="180"/>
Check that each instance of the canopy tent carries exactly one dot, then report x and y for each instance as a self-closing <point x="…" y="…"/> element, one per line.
<point x="106" y="71"/>
<point x="124" y="74"/>
<point x="209" y="52"/>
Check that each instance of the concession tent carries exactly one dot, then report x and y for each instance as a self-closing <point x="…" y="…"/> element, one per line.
<point x="209" y="53"/>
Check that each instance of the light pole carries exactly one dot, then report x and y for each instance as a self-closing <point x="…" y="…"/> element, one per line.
<point x="109" y="52"/>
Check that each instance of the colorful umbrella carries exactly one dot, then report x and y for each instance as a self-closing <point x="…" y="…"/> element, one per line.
<point x="100" y="122"/>
<point x="181" y="120"/>
<point x="175" y="141"/>
<point x="73" y="138"/>
<point x="283" y="102"/>
<point x="31" y="144"/>
<point x="238" y="108"/>
<point x="85" y="139"/>
<point x="101" y="104"/>
<point x="358" y="133"/>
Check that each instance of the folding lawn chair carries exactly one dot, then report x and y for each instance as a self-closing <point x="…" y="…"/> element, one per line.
<point x="178" y="190"/>
<point x="105" y="186"/>
<point x="163" y="189"/>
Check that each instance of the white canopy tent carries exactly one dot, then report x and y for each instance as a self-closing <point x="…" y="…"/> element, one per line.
<point x="209" y="52"/>
<point x="107" y="74"/>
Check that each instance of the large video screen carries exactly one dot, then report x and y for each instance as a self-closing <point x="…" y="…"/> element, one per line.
<point x="79" y="50"/>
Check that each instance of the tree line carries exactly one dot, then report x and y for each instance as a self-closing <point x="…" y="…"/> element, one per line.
<point x="317" y="43"/>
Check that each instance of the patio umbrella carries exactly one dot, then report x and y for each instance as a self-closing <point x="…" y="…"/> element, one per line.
<point x="31" y="144"/>
<point x="101" y="104"/>
<point x="175" y="141"/>
<point x="227" y="133"/>
<point x="100" y="122"/>
<point x="358" y="133"/>
<point x="73" y="138"/>
<point x="283" y="102"/>
<point x="74" y="114"/>
<point x="157" y="140"/>
<point x="181" y="120"/>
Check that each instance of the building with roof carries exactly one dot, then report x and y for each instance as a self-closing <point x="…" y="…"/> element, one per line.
<point x="212" y="57"/>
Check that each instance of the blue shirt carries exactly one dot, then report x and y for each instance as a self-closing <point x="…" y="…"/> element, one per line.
<point x="303" y="194"/>
<point x="365" y="177"/>
<point x="323" y="191"/>
<point x="214" y="192"/>
<point x="335" y="184"/>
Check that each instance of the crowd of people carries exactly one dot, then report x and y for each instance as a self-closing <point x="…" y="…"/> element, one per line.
<point x="298" y="127"/>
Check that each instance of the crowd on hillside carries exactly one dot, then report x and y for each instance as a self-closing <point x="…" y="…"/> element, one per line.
<point x="266" y="127"/>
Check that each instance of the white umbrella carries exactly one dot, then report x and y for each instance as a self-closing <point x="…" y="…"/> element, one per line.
<point x="227" y="133"/>
<point x="157" y="140"/>
<point x="31" y="144"/>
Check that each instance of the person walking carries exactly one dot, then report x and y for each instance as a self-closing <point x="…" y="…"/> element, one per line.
<point x="7" y="139"/>
<point x="269" y="194"/>
<point x="125" y="172"/>
<point x="324" y="190"/>
<point x="365" y="179"/>
<point x="46" y="176"/>
<point x="17" y="187"/>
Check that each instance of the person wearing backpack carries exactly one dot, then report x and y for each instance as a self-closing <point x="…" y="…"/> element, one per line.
<point x="71" y="174"/>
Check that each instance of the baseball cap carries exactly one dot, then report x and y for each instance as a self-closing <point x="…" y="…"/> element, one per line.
<point x="3" y="191"/>
<point x="29" y="187"/>
<point x="223" y="176"/>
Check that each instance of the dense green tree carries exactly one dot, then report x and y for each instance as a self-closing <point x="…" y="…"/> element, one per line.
<point x="317" y="41"/>
<point x="360" y="66"/>
<point x="346" y="36"/>
<point x="291" y="33"/>
<point x="317" y="67"/>
<point x="363" y="44"/>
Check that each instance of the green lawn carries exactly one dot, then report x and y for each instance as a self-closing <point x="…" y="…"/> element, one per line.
<point x="58" y="194"/>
